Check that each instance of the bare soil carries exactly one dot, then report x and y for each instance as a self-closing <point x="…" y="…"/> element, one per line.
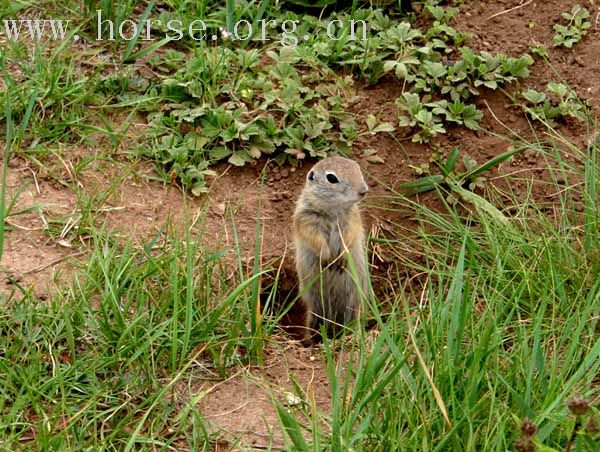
<point x="241" y="407"/>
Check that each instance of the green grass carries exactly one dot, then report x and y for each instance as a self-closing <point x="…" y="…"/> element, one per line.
<point x="500" y="328"/>
<point x="100" y="360"/>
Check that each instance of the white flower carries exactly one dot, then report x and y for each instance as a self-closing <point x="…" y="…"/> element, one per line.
<point x="224" y="33"/>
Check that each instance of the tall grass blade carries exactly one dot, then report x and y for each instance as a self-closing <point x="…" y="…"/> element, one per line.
<point x="127" y="57"/>
<point x="230" y="5"/>
<point x="292" y="428"/>
<point x="7" y="149"/>
<point x="590" y="212"/>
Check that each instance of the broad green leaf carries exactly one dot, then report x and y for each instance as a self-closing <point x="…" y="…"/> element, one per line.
<point x="236" y="159"/>
<point x="533" y="96"/>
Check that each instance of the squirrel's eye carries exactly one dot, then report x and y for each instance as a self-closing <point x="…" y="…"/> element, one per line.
<point x="332" y="178"/>
<point x="311" y="176"/>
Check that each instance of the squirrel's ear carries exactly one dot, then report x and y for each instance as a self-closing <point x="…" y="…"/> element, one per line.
<point x="311" y="175"/>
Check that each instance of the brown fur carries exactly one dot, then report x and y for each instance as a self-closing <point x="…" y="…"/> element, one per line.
<point x="328" y="232"/>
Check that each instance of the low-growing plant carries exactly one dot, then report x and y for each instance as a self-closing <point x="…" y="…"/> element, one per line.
<point x="225" y="104"/>
<point x="578" y="23"/>
<point x="538" y="50"/>
<point x="473" y="71"/>
<point x="429" y="117"/>
<point x="424" y="116"/>
<point x="440" y="32"/>
<point x="242" y="100"/>
<point x="560" y="102"/>
<point x="445" y="86"/>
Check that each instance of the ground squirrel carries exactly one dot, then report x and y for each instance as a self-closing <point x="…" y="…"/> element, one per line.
<point x="328" y="231"/>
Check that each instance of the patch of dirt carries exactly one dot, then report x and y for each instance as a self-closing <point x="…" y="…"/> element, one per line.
<point x="241" y="408"/>
<point x="29" y="255"/>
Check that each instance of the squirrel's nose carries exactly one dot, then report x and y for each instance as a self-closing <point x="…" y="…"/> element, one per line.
<point x="363" y="191"/>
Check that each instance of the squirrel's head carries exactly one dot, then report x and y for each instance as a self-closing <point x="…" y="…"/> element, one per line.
<point x="335" y="182"/>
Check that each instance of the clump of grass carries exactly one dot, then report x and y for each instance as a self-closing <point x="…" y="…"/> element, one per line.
<point x="61" y="92"/>
<point x="13" y="138"/>
<point x="99" y="365"/>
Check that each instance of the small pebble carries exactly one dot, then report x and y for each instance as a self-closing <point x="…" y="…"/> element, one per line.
<point x="220" y="208"/>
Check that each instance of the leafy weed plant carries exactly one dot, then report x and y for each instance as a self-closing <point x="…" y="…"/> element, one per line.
<point x="577" y="26"/>
<point x="565" y="104"/>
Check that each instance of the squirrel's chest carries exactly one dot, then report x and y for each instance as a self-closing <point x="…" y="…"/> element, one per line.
<point x="342" y="236"/>
<point x="334" y="235"/>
